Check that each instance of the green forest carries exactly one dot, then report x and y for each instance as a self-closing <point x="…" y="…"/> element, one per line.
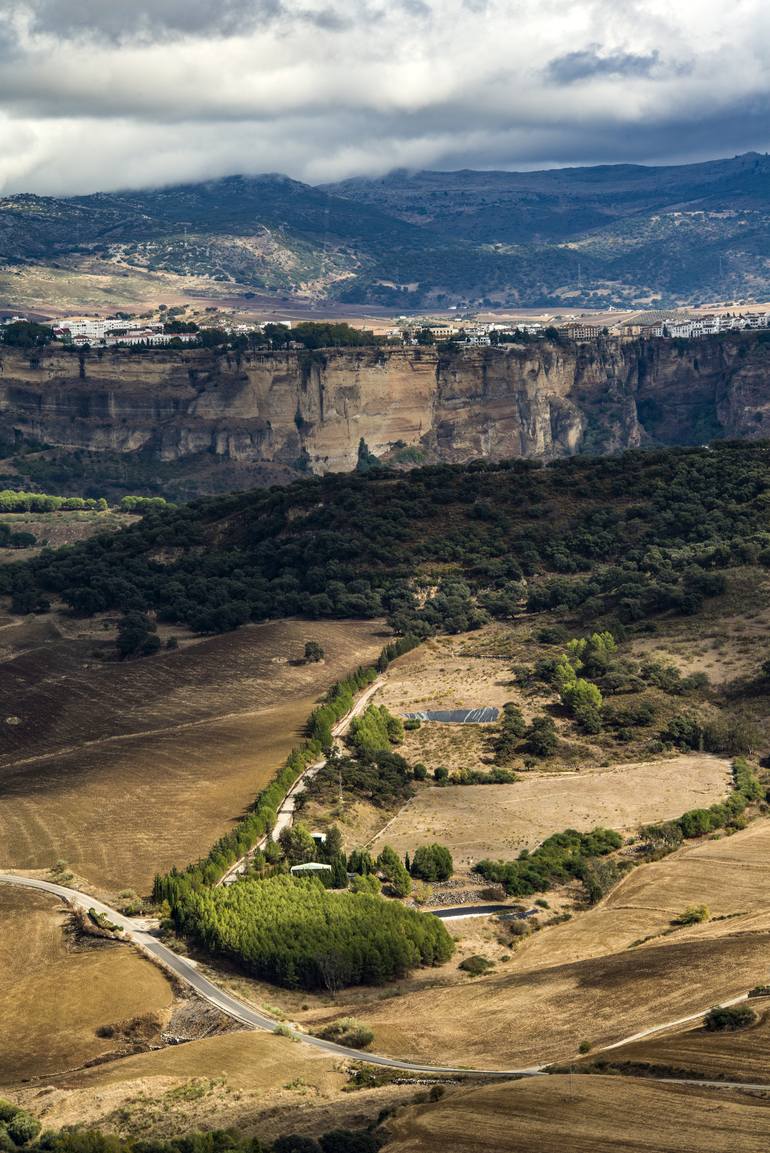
<point x="299" y="934"/>
<point x="615" y="539"/>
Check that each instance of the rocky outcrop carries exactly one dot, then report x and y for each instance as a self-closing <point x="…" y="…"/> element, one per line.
<point x="285" y="411"/>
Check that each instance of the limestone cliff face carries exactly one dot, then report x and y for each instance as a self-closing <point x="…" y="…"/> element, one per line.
<point x="288" y="410"/>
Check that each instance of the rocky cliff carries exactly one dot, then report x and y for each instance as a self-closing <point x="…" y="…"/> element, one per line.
<point x="202" y="422"/>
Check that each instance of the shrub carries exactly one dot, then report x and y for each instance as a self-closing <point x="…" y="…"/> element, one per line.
<point x="347" y="1031"/>
<point x="366" y="884"/>
<point x="432" y="863"/>
<point x="476" y="965"/>
<point x="729" y="1018"/>
<point x="556" y="860"/>
<point x="23" y="1127"/>
<point x="693" y="915"/>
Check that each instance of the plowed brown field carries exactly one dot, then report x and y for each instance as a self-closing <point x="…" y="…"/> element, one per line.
<point x="123" y="769"/>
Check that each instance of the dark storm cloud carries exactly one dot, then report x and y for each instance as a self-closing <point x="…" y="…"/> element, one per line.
<point x="590" y="62"/>
<point x="105" y="94"/>
<point x="147" y="18"/>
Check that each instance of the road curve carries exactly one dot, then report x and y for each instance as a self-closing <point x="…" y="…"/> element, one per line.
<point x="141" y="932"/>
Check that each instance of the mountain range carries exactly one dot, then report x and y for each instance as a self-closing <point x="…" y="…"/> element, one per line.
<point x="622" y="235"/>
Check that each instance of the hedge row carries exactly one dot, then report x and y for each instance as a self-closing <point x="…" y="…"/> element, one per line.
<point x="173" y="886"/>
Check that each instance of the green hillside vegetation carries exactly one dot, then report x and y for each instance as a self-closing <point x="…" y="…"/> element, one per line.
<point x="614" y="539"/>
<point x="298" y="934"/>
<point x="560" y="858"/>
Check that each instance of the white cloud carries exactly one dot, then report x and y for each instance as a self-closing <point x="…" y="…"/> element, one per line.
<point x="105" y="95"/>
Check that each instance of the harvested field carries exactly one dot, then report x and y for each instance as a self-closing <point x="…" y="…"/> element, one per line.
<point x="739" y="1056"/>
<point x="123" y="769"/>
<point x="585" y="1115"/>
<point x="256" y="1082"/>
<point x="56" y="992"/>
<point x="582" y="980"/>
<point x="476" y="821"/>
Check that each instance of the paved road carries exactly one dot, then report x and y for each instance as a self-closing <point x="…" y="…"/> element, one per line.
<point x="458" y="912"/>
<point x="285" y="816"/>
<point x="141" y="932"/>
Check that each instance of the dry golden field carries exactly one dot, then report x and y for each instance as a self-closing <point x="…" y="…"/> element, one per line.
<point x="586" y="979"/>
<point x="211" y="1083"/>
<point x="123" y="769"/>
<point x="476" y="821"/>
<point x="585" y="1115"/>
<point x="739" y="1056"/>
<point x="56" y="992"/>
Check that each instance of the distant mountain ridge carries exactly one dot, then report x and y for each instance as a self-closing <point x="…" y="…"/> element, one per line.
<point x="625" y="235"/>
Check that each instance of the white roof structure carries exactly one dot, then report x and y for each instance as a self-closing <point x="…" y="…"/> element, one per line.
<point x="310" y="867"/>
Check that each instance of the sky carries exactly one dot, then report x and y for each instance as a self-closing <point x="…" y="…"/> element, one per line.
<point x="102" y="94"/>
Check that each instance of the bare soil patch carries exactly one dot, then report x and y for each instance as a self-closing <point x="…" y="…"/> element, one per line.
<point x="124" y="769"/>
<point x="476" y="821"/>
<point x="584" y="1115"/>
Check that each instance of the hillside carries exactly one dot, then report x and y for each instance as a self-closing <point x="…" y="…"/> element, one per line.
<point x="112" y="768"/>
<point x="616" y="234"/>
<point x="577" y="532"/>
<point x="187" y="422"/>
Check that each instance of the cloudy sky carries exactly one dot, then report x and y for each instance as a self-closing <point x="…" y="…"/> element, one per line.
<point x="102" y="94"/>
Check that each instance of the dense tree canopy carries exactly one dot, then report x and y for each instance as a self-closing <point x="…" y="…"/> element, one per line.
<point x="297" y="933"/>
<point x="624" y="537"/>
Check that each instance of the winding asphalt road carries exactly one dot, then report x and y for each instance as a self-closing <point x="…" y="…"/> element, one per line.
<point x="141" y="932"/>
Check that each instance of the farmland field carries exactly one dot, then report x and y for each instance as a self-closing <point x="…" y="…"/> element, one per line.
<point x="585" y="1115"/>
<point x="122" y="769"/>
<point x="476" y="821"/>
<point x="587" y="978"/>
<point x="56" y="992"/>
<point x="55" y="529"/>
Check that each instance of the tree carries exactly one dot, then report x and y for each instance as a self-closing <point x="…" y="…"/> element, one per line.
<point x="392" y="868"/>
<point x="332" y="846"/>
<point x="137" y="636"/>
<point x="366" y="459"/>
<point x="26" y="334"/>
<point x="297" y="844"/>
<point x="541" y="737"/>
<point x="432" y="863"/>
<point x="729" y="1018"/>
<point x="360" y="861"/>
<point x="313" y="652"/>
